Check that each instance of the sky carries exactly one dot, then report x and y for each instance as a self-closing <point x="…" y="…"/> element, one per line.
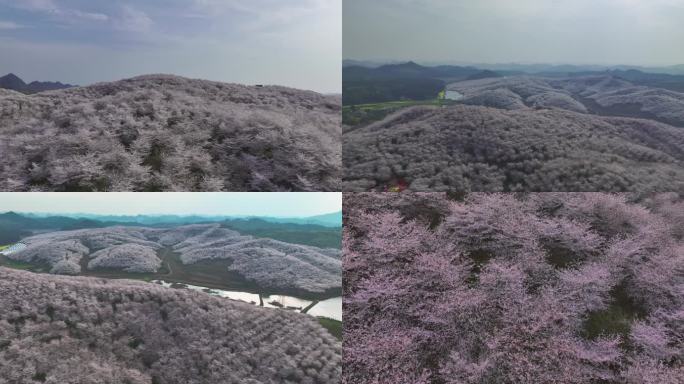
<point x="603" y="32"/>
<point x="296" y="43"/>
<point x="273" y="204"/>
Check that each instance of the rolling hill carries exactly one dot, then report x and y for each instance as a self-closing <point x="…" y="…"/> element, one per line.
<point x="268" y="263"/>
<point x="76" y="330"/>
<point x="601" y="95"/>
<point x="162" y="132"/>
<point x="526" y="133"/>
<point x="487" y="149"/>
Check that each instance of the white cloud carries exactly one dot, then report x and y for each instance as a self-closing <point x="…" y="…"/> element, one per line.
<point x="36" y="5"/>
<point x="9" y="25"/>
<point x="50" y="7"/>
<point x="133" y="20"/>
<point x="86" y="15"/>
<point x="645" y="32"/>
<point x="262" y="14"/>
<point x="274" y="204"/>
<point x="295" y="43"/>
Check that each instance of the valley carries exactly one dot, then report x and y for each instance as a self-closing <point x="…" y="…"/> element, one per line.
<point x="205" y="254"/>
<point x="518" y="132"/>
<point x="209" y="258"/>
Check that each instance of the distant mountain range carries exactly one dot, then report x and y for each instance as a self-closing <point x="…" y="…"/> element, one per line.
<point x="320" y="231"/>
<point x="14" y="226"/>
<point x="364" y="84"/>
<point x="13" y="82"/>
<point x="408" y="69"/>
<point x="528" y="68"/>
<point x="328" y="220"/>
<point x="569" y="68"/>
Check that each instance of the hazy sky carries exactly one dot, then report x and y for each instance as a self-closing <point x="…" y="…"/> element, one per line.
<point x="294" y="42"/>
<point x="276" y="204"/>
<point x="634" y="32"/>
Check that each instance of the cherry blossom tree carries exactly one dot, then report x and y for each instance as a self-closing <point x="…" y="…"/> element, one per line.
<point x="76" y="330"/>
<point x="512" y="288"/>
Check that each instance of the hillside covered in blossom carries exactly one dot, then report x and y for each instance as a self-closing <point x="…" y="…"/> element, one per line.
<point x="578" y="288"/>
<point x="594" y="94"/>
<point x="269" y="263"/>
<point x="168" y="133"/>
<point x="77" y="330"/>
<point x="526" y="133"/>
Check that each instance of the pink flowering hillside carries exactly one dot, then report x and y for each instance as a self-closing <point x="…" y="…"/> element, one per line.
<point x="82" y="330"/>
<point x="581" y="288"/>
<point x="169" y="133"/>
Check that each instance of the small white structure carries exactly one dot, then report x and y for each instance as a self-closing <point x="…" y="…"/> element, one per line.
<point x="13" y="249"/>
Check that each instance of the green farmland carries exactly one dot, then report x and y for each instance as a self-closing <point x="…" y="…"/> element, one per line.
<point x="361" y="114"/>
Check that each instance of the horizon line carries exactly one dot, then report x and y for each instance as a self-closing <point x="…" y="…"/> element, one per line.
<point x="166" y="214"/>
<point x="384" y="61"/>
<point x="167" y="74"/>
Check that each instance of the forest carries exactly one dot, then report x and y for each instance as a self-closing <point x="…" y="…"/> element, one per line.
<point x="168" y="133"/>
<point x="390" y="89"/>
<point x="568" y="288"/>
<point x="78" y="330"/>
<point x="390" y="82"/>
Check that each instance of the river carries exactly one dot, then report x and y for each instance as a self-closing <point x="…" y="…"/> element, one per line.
<point x="453" y="95"/>
<point x="14" y="248"/>
<point x="330" y="308"/>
